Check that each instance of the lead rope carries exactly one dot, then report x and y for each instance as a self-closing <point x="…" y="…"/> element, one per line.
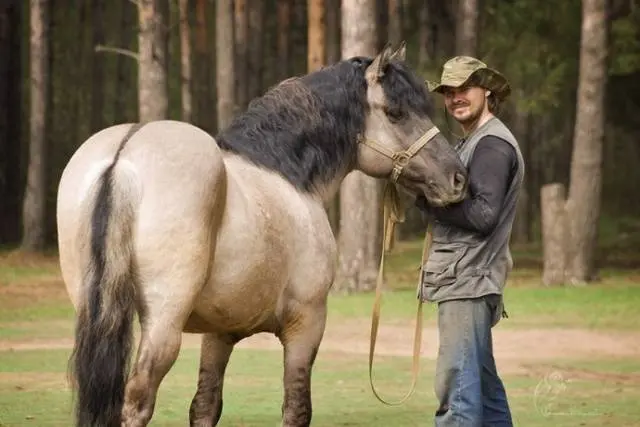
<point x="393" y="213"/>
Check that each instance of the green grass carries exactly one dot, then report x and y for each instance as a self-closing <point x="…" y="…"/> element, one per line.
<point x="36" y="394"/>
<point x="611" y="305"/>
<point x="588" y="392"/>
<point x="37" y="311"/>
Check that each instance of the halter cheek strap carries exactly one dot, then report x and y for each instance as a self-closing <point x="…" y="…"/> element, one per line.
<point x="401" y="158"/>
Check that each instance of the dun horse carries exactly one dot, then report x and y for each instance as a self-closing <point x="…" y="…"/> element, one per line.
<point x="228" y="237"/>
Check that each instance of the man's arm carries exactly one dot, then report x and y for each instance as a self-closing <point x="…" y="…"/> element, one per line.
<point x="491" y="170"/>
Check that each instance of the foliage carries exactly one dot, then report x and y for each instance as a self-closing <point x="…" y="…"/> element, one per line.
<point x="535" y="44"/>
<point x="624" y="41"/>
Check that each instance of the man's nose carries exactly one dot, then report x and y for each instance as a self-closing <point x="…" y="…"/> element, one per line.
<point x="457" y="97"/>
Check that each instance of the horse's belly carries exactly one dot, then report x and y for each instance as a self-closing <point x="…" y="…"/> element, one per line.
<point x="236" y="309"/>
<point x="242" y="293"/>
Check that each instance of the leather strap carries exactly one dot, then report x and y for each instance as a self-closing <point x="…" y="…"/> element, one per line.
<point x="401" y="158"/>
<point x="394" y="213"/>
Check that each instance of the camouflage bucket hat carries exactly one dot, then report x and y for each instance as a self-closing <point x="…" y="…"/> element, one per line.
<point x="464" y="69"/>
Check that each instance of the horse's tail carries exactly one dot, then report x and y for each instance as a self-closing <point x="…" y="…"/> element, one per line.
<point x="103" y="334"/>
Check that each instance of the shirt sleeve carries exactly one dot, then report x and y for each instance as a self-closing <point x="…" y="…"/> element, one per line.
<point x="491" y="170"/>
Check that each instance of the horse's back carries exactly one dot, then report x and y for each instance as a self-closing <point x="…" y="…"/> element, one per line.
<point x="173" y="175"/>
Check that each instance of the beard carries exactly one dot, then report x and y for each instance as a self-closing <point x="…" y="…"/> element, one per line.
<point x="465" y="114"/>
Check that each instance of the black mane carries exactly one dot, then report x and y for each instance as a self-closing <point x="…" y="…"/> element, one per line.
<point x="306" y="127"/>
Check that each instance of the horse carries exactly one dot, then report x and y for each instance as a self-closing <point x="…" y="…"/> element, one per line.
<point x="228" y="236"/>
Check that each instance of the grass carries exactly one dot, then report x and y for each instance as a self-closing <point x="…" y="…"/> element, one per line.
<point x="565" y="392"/>
<point x="595" y="307"/>
<point x="33" y="301"/>
<point x="34" y="392"/>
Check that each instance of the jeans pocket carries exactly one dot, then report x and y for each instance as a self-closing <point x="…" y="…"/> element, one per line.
<point x="496" y="308"/>
<point x="441" y="268"/>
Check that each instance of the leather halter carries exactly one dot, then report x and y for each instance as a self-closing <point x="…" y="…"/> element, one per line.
<point x="401" y="158"/>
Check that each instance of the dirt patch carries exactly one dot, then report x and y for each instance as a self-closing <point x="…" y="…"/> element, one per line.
<point x="561" y="372"/>
<point x="516" y="351"/>
<point x="19" y="258"/>
<point x="20" y="294"/>
<point x="29" y="277"/>
<point x="28" y="381"/>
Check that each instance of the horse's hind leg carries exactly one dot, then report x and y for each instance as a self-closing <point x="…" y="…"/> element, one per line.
<point x="206" y="407"/>
<point x="164" y="313"/>
<point x="159" y="348"/>
<point x="301" y="338"/>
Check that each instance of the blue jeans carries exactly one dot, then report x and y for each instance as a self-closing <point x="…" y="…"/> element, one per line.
<point x="467" y="385"/>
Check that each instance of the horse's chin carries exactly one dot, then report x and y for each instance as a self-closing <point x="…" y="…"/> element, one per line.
<point x="440" y="201"/>
<point x="436" y="202"/>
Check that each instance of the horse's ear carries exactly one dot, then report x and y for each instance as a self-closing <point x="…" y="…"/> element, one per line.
<point x="375" y="71"/>
<point x="401" y="52"/>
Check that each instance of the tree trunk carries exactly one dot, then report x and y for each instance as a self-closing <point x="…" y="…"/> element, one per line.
<point x="554" y="234"/>
<point x="522" y="226"/>
<point x="33" y="215"/>
<point x="467" y="28"/>
<point x="443" y="20"/>
<point x="225" y="79"/>
<point x="256" y="49"/>
<point x="185" y="61"/>
<point x="203" y="85"/>
<point x="98" y="65"/>
<point x="333" y="31"/>
<point x="360" y="195"/>
<point x="316" y="38"/>
<point x="332" y="53"/>
<point x="424" y="35"/>
<point x="10" y="120"/>
<point x="382" y="23"/>
<point x="284" y="39"/>
<point x="299" y="35"/>
<point x="241" y="27"/>
<point x="583" y="204"/>
<point x="394" y="24"/>
<point x="152" y="78"/>
<point x="124" y="68"/>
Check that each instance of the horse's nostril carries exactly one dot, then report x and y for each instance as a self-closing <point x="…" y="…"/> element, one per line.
<point x="459" y="181"/>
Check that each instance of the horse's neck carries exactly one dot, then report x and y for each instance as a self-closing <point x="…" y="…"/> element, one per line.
<point x="248" y="175"/>
<point x="327" y="191"/>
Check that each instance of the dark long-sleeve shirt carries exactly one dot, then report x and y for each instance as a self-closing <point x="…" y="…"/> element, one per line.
<point x="491" y="170"/>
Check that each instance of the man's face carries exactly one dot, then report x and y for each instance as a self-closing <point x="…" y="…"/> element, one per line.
<point x="466" y="103"/>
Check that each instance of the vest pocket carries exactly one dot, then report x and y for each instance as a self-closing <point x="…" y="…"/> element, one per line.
<point x="441" y="269"/>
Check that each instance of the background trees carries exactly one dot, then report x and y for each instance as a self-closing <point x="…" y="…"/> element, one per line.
<point x="360" y="216"/>
<point x="574" y="67"/>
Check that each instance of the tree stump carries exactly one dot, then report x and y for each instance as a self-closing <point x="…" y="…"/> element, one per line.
<point x="555" y="236"/>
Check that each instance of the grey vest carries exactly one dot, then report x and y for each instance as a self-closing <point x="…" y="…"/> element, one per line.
<point x="463" y="264"/>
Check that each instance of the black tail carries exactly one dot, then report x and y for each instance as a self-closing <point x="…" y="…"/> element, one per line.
<point x="103" y="334"/>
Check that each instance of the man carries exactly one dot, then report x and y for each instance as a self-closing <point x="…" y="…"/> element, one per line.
<point x="470" y="258"/>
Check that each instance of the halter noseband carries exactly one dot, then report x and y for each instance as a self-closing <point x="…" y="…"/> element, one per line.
<point x="401" y="158"/>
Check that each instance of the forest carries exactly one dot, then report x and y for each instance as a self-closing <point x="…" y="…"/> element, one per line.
<point x="69" y="68"/>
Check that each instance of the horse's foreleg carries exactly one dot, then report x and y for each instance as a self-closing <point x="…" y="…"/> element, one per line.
<point x="159" y="348"/>
<point x="206" y="406"/>
<point x="301" y="338"/>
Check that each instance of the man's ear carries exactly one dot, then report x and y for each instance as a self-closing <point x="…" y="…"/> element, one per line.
<point x="487" y="93"/>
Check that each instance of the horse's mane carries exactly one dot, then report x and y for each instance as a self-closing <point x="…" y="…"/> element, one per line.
<point x="306" y="127"/>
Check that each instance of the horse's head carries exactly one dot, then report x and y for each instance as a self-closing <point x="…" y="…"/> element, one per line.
<point x="400" y="141"/>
